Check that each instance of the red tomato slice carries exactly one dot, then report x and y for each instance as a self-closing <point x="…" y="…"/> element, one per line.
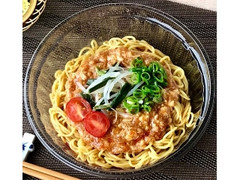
<point x="77" y="108"/>
<point x="96" y="123"/>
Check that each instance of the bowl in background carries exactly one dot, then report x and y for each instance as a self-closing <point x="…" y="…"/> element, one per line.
<point x="28" y="8"/>
<point x="34" y="11"/>
<point x="101" y="23"/>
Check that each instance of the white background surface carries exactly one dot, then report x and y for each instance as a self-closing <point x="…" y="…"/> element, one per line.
<point x="205" y="4"/>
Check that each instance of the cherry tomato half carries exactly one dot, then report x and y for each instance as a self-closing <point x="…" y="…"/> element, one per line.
<point x="96" y="123"/>
<point x="77" y="108"/>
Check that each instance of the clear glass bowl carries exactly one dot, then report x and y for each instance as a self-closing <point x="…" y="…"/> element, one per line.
<point x="102" y="23"/>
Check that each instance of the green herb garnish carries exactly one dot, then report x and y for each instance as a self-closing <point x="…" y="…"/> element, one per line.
<point x="154" y="78"/>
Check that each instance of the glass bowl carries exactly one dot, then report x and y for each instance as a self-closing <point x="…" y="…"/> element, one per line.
<point x="101" y="23"/>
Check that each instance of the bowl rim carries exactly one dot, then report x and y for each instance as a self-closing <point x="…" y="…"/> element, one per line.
<point x="184" y="148"/>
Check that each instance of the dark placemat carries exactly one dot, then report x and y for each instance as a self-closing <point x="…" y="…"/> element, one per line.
<point x="198" y="163"/>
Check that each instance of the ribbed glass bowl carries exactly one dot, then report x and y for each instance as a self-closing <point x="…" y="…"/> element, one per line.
<point x="101" y="23"/>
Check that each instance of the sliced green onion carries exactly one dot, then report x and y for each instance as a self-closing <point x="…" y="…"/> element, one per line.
<point x="157" y="99"/>
<point x="145" y="77"/>
<point x="131" y="108"/>
<point x="149" y="82"/>
<point x="137" y="62"/>
<point x="154" y="67"/>
<point x="132" y="100"/>
<point x="153" y="88"/>
<point x="146" y="90"/>
<point x="139" y="94"/>
<point x="158" y="76"/>
<point x="147" y="107"/>
<point x="100" y="72"/>
<point x="136" y="78"/>
<point x="134" y="109"/>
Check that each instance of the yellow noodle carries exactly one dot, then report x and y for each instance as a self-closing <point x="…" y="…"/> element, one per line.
<point x="183" y="122"/>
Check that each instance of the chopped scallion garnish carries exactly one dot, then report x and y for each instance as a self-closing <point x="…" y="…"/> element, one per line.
<point x="154" y="78"/>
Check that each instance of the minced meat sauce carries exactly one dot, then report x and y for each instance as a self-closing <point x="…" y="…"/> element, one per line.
<point x="127" y="133"/>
